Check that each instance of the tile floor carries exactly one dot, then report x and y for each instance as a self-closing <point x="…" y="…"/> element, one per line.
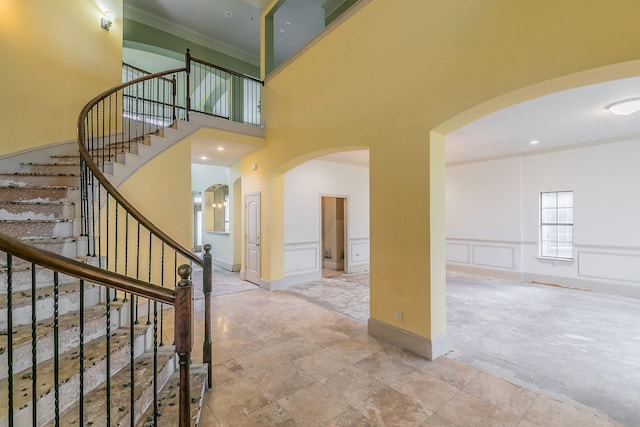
<point x="282" y="360"/>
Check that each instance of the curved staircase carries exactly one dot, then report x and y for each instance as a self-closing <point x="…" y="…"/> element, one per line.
<point x="40" y="206"/>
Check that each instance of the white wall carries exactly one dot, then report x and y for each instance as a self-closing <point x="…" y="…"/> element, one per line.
<point x="492" y="217"/>
<point x="202" y="177"/>
<point x="304" y="186"/>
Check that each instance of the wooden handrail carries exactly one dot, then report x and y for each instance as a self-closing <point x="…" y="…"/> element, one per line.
<point x="86" y="272"/>
<point x="145" y="72"/>
<point x="113" y="192"/>
<point x="226" y="70"/>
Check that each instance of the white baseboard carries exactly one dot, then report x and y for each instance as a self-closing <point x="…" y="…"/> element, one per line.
<point x="226" y="265"/>
<point x="429" y="349"/>
<point x="472" y="271"/>
<point x="358" y="268"/>
<point x="288" y="282"/>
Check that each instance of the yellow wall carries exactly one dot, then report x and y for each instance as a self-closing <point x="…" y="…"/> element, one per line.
<point x="389" y="76"/>
<point x="55" y="58"/>
<point x="161" y="190"/>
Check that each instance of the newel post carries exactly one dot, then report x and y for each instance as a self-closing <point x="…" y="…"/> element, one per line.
<point x="184" y="339"/>
<point x="207" y="286"/>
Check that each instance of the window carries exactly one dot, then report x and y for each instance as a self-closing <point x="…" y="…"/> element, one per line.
<point x="556" y="224"/>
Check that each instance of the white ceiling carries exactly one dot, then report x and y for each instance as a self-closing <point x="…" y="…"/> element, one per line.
<point x="561" y="120"/>
<point x="233" y="26"/>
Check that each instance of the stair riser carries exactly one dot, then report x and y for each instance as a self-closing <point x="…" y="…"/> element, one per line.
<point x="53" y="169"/>
<point x="113" y="149"/>
<point x="68" y="338"/>
<point x="37" y="229"/>
<point x="42" y="211"/>
<point x="94" y="375"/>
<point x="67" y="302"/>
<point x="19" y="180"/>
<point x="73" y="159"/>
<point x="94" y="403"/>
<point x="146" y="399"/>
<point x="21" y="278"/>
<point x="12" y="194"/>
<point x="68" y="248"/>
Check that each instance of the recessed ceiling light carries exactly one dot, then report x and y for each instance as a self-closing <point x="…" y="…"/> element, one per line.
<point x="228" y="14"/>
<point x="288" y="22"/>
<point x="280" y="39"/>
<point x="281" y="30"/>
<point x="220" y="148"/>
<point x="625" y="107"/>
<point x="203" y="158"/>
<point x="533" y="142"/>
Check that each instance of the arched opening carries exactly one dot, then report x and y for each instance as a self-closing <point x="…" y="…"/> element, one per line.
<point x="326" y="219"/>
<point x="509" y="234"/>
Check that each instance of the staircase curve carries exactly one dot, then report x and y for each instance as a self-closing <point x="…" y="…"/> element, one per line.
<point x="76" y="324"/>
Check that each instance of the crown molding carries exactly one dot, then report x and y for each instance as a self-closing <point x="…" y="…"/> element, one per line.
<point x="180" y="31"/>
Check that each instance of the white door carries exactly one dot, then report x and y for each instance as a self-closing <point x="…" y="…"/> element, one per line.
<point x="252" y="238"/>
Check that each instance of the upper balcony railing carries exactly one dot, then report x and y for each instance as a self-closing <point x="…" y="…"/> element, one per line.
<point x="204" y="88"/>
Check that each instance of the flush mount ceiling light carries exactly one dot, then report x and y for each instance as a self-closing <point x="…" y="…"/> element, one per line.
<point x="533" y="142"/>
<point x="625" y="107"/>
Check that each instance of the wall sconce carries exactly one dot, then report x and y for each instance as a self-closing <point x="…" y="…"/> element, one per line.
<point x="107" y="21"/>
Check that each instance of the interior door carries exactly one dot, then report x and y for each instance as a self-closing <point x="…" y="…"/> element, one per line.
<point x="197" y="227"/>
<point x="252" y="238"/>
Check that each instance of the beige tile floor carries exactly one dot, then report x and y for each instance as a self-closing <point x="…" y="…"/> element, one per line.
<point x="280" y="360"/>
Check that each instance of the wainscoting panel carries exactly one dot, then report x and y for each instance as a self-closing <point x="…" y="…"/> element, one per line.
<point x="359" y="251"/>
<point x="483" y="254"/>
<point x="609" y="266"/>
<point x="301" y="258"/>
<point x="493" y="256"/>
<point x="458" y="252"/>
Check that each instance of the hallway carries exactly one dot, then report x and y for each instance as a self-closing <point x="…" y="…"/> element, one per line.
<point x="293" y="359"/>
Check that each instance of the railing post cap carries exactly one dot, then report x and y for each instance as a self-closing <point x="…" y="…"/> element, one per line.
<point x="184" y="271"/>
<point x="207" y="248"/>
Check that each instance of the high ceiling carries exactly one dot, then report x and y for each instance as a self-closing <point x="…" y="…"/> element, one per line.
<point x="556" y="121"/>
<point x="233" y="26"/>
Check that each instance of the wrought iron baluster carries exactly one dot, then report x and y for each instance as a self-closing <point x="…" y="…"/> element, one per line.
<point x="115" y="249"/>
<point x="126" y="253"/>
<point x="56" y="346"/>
<point x="10" y="337"/>
<point x="81" y="354"/>
<point x="132" y="383"/>
<point x="137" y="270"/>
<point x="108" y="357"/>
<point x="34" y="346"/>
<point x="148" y="300"/>
<point x="155" y="362"/>
<point x="162" y="305"/>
